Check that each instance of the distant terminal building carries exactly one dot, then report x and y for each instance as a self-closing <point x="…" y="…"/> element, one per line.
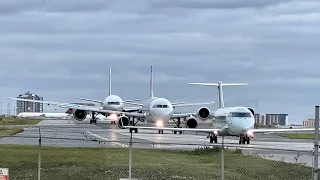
<point x="23" y="106"/>
<point x="308" y="123"/>
<point x="271" y="119"/>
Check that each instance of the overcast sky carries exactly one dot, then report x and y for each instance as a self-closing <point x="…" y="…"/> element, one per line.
<point x="62" y="49"/>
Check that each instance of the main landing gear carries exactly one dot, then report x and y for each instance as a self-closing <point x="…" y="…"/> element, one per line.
<point x="113" y="122"/>
<point x="93" y="120"/>
<point x="244" y="139"/>
<point x="133" y="124"/>
<point x="178" y="126"/>
<point x="213" y="138"/>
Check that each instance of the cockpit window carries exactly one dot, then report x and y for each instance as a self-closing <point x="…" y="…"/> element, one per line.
<point x="240" y="114"/>
<point x="160" y="106"/>
<point x="113" y="103"/>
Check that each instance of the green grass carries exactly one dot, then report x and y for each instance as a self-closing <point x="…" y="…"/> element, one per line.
<point x="18" y="121"/>
<point x="9" y="131"/>
<point x="112" y="163"/>
<point x="298" y="135"/>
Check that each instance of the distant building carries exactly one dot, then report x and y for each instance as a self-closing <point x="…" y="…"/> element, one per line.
<point x="277" y="119"/>
<point x="308" y="123"/>
<point x="260" y="119"/>
<point x="23" y="106"/>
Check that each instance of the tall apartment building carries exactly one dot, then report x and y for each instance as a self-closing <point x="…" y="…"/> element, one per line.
<point x="277" y="119"/>
<point x="23" y="106"/>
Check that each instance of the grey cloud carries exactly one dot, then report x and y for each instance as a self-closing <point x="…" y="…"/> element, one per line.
<point x="65" y="50"/>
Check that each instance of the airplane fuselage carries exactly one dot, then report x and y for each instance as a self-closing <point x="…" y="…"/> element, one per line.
<point x="113" y="103"/>
<point x="233" y="121"/>
<point x="157" y="109"/>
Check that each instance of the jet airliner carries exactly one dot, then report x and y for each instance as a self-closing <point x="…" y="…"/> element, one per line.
<point x="229" y="121"/>
<point x="111" y="102"/>
<point x="155" y="109"/>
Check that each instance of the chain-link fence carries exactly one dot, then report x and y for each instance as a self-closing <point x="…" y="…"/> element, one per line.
<point x="79" y="154"/>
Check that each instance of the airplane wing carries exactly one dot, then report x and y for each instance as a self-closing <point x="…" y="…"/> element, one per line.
<point x="132" y="100"/>
<point x="82" y="107"/>
<point x="182" y="115"/>
<point x="282" y="130"/>
<point x="212" y="130"/>
<point x="190" y="104"/>
<point x="131" y="109"/>
<point x="174" y="129"/>
<point x="176" y="103"/>
<point x="132" y="103"/>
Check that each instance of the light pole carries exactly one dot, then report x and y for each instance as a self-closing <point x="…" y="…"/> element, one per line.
<point x="1" y="107"/>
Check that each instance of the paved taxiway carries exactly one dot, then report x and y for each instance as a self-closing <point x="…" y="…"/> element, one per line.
<point x="68" y="133"/>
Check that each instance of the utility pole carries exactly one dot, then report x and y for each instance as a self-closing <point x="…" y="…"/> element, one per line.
<point x="8" y="109"/>
<point x="316" y="144"/>
<point x="1" y="107"/>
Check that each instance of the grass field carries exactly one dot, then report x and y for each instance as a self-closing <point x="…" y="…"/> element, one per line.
<point x="298" y="135"/>
<point x="103" y="163"/>
<point x="18" y="121"/>
<point x="9" y="131"/>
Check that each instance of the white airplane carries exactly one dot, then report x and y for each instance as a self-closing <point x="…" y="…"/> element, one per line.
<point x="111" y="102"/>
<point x="156" y="110"/>
<point x="229" y="121"/>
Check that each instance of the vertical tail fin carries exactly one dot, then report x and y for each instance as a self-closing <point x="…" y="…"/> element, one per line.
<point x="151" y="83"/>
<point x="219" y="85"/>
<point x="110" y="82"/>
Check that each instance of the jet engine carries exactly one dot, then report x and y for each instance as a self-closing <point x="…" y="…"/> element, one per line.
<point x="123" y="121"/>
<point x="203" y="113"/>
<point x="79" y="115"/>
<point x="252" y="111"/>
<point x="191" y="122"/>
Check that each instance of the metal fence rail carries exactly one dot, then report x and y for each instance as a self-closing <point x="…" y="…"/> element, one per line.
<point x="92" y="158"/>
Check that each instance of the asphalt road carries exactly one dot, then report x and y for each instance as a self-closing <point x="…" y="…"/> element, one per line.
<point x="67" y="133"/>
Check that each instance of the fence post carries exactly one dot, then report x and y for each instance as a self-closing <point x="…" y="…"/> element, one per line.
<point x="316" y="143"/>
<point x="222" y="158"/>
<point x="130" y="154"/>
<point x="39" y="156"/>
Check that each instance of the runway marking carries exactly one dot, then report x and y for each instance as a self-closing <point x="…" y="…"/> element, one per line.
<point x="117" y="143"/>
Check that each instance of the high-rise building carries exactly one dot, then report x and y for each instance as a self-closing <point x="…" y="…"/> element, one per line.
<point x="277" y="119"/>
<point x="23" y="106"/>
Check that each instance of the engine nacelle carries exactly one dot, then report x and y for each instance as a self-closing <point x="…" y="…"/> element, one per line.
<point x="252" y="110"/>
<point x="191" y="122"/>
<point x="203" y="113"/>
<point x="79" y="115"/>
<point x="123" y="121"/>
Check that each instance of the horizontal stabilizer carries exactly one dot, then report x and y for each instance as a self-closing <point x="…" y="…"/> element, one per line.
<point x="132" y="100"/>
<point x="222" y="84"/>
<point x="192" y="104"/>
<point x="91" y="100"/>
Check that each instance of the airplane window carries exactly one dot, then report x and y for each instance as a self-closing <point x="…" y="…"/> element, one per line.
<point x="113" y="103"/>
<point x="240" y="114"/>
<point x="159" y="106"/>
<point x="165" y="106"/>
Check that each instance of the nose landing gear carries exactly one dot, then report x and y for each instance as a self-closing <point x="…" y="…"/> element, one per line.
<point x="244" y="139"/>
<point x="213" y="138"/>
<point x="178" y="122"/>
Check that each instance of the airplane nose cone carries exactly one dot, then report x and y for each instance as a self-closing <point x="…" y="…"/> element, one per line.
<point x="161" y="115"/>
